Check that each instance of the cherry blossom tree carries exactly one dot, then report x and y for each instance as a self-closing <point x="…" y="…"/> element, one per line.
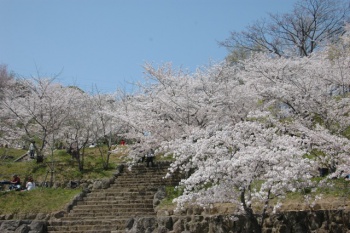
<point x="247" y="164"/>
<point x="248" y="132"/>
<point x="311" y="93"/>
<point x="5" y="78"/>
<point x="229" y="151"/>
<point x="37" y="109"/>
<point x="173" y="104"/>
<point x="104" y="126"/>
<point x="77" y="130"/>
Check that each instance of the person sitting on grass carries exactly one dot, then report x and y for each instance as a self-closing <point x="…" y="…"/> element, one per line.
<point x="14" y="184"/>
<point x="30" y="184"/>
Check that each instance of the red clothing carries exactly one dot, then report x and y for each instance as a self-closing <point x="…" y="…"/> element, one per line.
<point x="16" y="180"/>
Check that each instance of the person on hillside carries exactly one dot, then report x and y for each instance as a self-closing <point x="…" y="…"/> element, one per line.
<point x="30" y="185"/>
<point x="32" y="150"/>
<point x="14" y="184"/>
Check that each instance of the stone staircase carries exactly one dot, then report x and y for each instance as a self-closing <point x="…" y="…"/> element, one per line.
<point x="109" y="210"/>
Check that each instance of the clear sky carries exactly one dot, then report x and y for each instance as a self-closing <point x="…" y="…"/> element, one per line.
<point x="105" y="43"/>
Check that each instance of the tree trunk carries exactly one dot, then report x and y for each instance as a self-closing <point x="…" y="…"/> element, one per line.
<point x="252" y="225"/>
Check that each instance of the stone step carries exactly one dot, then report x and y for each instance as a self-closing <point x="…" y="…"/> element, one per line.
<point x="90" y="225"/>
<point x="77" y="220"/>
<point x="86" y="228"/>
<point x="150" y="185"/>
<point x="152" y="171"/>
<point x="101" y="212"/>
<point x="143" y="182"/>
<point x="126" y="183"/>
<point x="114" y="206"/>
<point x="132" y="188"/>
<point x="86" y="231"/>
<point x="145" y="176"/>
<point x="109" y="215"/>
<point x="148" y="171"/>
<point x="145" y="172"/>
<point x="121" y="199"/>
<point x="146" y="179"/>
<point x="140" y="199"/>
<point x="121" y="193"/>
<point x="115" y="196"/>
<point x="134" y="175"/>
<point x="103" y="197"/>
<point x="112" y="211"/>
<point x="138" y="179"/>
<point x="142" y="167"/>
<point x="108" y="210"/>
<point x="113" y="201"/>
<point x="158" y="174"/>
<point x="155" y="175"/>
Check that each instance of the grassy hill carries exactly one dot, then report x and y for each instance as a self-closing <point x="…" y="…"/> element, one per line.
<point x="65" y="169"/>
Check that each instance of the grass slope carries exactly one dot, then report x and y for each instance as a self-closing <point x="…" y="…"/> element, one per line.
<point x="65" y="169"/>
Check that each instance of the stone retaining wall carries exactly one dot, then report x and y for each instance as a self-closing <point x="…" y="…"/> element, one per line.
<point x="23" y="226"/>
<point x="322" y="221"/>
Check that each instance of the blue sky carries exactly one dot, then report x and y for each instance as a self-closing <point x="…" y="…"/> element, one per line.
<point x="105" y="43"/>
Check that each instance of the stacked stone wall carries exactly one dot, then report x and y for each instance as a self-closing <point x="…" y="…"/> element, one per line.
<point x="322" y="221"/>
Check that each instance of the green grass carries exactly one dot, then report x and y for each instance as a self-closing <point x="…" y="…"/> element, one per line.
<point x="45" y="200"/>
<point x="65" y="168"/>
<point x="336" y="188"/>
<point x="9" y="153"/>
<point x="171" y="194"/>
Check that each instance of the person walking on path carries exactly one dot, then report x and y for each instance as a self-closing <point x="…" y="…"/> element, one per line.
<point x="149" y="158"/>
<point x="32" y="149"/>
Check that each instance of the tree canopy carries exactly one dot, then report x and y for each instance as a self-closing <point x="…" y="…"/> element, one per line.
<point x="247" y="132"/>
<point x="310" y="26"/>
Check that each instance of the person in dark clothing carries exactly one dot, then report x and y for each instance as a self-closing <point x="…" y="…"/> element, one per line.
<point x="150" y="157"/>
<point x="14" y="184"/>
